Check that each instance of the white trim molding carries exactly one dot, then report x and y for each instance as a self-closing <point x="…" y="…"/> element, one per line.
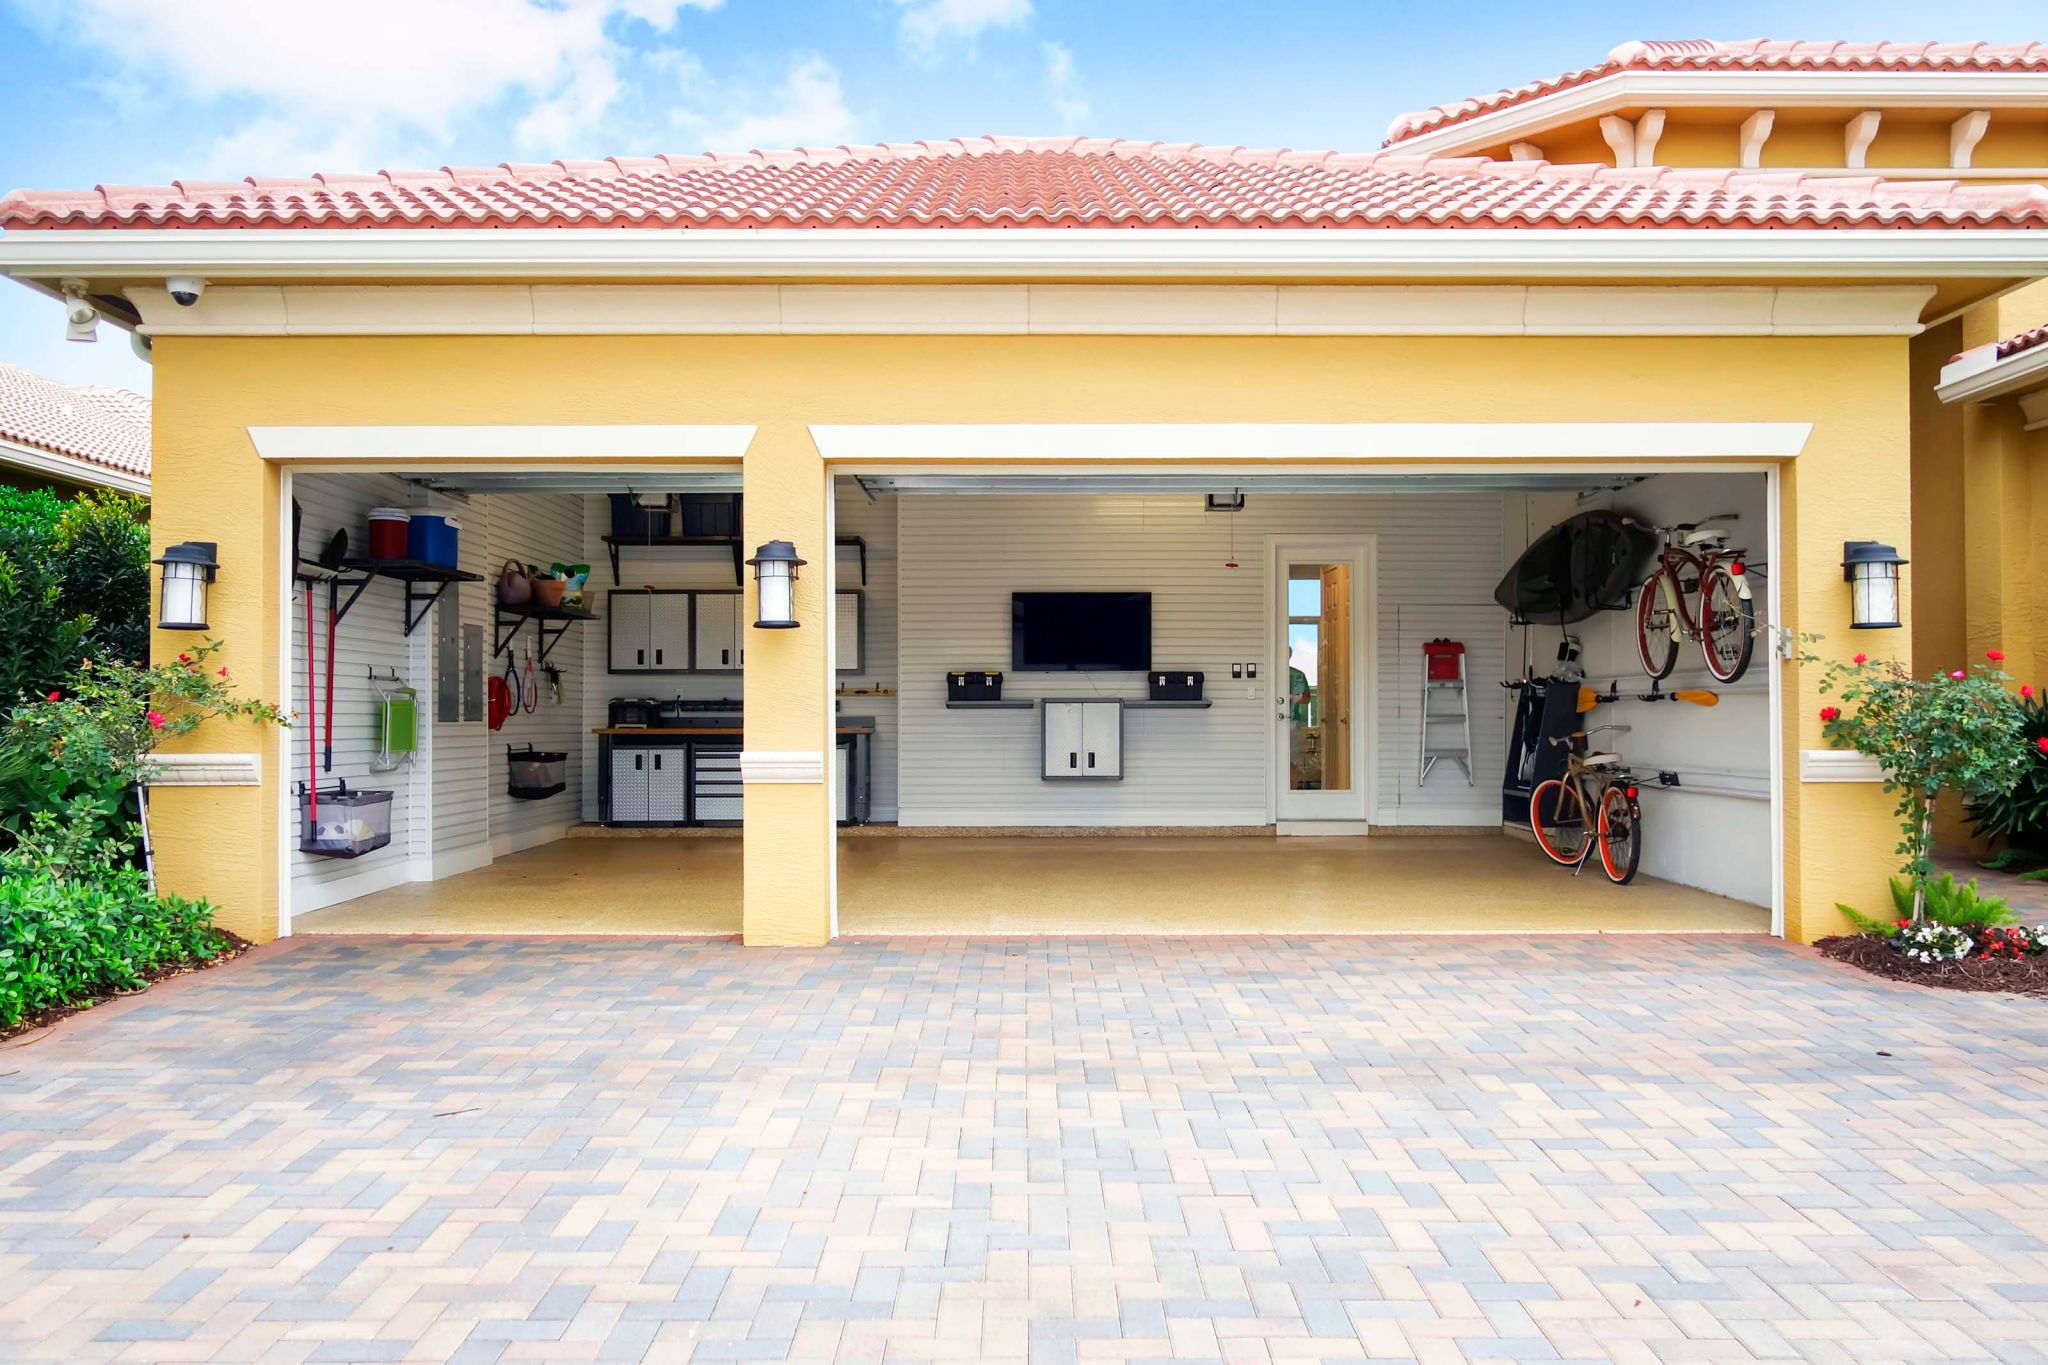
<point x="1978" y="375"/>
<point x="1530" y="118"/>
<point x="205" y="770"/>
<point x="412" y="444"/>
<point x="70" y="469"/>
<point x="1038" y="310"/>
<point x="654" y="254"/>
<point x="1613" y="443"/>
<point x="759" y="766"/>
<point x="1838" y="765"/>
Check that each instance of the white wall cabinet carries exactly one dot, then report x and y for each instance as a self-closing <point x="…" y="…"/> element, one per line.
<point x="626" y="615"/>
<point x="718" y="632"/>
<point x="668" y="631"/>
<point x="849" y="610"/>
<point x="1083" y="739"/>
<point x="630" y="774"/>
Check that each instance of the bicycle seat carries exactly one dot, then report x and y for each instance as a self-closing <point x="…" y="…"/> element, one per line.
<point x="1691" y="537"/>
<point x="1601" y="760"/>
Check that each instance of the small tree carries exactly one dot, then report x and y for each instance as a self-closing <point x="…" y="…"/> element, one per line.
<point x="1958" y="731"/>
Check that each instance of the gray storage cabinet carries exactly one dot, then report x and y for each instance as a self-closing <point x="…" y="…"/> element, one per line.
<point x="718" y="632"/>
<point x="649" y="632"/>
<point x="650" y="784"/>
<point x="1083" y="739"/>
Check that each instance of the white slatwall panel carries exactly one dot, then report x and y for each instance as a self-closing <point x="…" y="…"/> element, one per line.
<point x="372" y="634"/>
<point x="542" y="530"/>
<point x="461" y="749"/>
<point x="1439" y="559"/>
<point x="875" y="522"/>
<point x="1717" y="843"/>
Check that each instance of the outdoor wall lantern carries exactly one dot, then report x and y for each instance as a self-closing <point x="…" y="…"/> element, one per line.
<point x="188" y="568"/>
<point x="1871" y="570"/>
<point x="775" y="565"/>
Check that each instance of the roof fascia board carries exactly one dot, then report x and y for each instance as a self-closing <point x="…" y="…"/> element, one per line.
<point x="1967" y="380"/>
<point x="797" y="253"/>
<point x="70" y="468"/>
<point x="1527" y="119"/>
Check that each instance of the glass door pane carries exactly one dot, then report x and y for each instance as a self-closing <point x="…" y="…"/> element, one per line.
<point x="1319" y="677"/>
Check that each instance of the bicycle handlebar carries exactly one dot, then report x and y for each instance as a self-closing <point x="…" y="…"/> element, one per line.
<point x="1588" y="734"/>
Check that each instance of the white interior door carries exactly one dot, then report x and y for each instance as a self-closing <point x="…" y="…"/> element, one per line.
<point x="1322" y="627"/>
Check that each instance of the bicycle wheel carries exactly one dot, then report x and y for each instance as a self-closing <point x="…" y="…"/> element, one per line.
<point x="1557" y="814"/>
<point x="1656" y="631"/>
<point x="1727" y="625"/>
<point x="1621" y="834"/>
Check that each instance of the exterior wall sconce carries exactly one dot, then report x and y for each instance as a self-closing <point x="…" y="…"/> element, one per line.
<point x="1871" y="569"/>
<point x="775" y="565"/>
<point x="188" y="568"/>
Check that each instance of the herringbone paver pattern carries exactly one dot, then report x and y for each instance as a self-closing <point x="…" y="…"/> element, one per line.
<point x="1247" y="1150"/>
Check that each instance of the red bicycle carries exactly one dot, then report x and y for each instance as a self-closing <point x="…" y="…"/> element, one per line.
<point x="1693" y="561"/>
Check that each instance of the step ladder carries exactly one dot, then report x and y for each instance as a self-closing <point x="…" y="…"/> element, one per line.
<point x="1445" y="701"/>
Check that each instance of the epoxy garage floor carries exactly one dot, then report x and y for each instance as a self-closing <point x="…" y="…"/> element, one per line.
<point x="1088" y="885"/>
<point x="1116" y="1150"/>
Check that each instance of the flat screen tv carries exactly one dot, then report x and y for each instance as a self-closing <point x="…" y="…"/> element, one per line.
<point x="1066" y="632"/>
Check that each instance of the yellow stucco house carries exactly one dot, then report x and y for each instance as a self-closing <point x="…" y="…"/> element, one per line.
<point x="1134" y="486"/>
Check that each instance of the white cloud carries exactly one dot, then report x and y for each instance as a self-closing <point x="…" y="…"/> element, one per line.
<point x="357" y="77"/>
<point x="928" y="25"/>
<point x="1063" y="87"/>
<point x="807" y="109"/>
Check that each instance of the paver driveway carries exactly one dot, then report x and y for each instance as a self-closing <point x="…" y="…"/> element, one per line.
<point x="1643" y="1149"/>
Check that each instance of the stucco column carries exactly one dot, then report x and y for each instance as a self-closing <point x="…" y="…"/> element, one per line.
<point x="790" y="834"/>
<point x="1998" y="547"/>
<point x="1852" y="482"/>
<point x="208" y="484"/>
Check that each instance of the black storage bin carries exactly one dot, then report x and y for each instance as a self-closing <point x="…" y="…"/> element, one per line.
<point x="974" y="687"/>
<point x="348" y="825"/>
<point x="1175" y="684"/>
<point x="535" y="774"/>
<point x="711" y="514"/>
<point x="1549" y="709"/>
<point x="631" y="521"/>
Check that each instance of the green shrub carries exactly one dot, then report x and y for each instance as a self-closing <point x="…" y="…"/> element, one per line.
<point x="2018" y="819"/>
<point x="102" y="541"/>
<point x="1953" y="904"/>
<point x="65" y="941"/>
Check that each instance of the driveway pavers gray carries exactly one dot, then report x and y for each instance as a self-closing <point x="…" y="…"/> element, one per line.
<point x="1569" y="1148"/>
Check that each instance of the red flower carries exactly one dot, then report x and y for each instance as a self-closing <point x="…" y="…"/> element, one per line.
<point x="156" y="720"/>
<point x="53" y="696"/>
<point x="1995" y="655"/>
<point x="184" y="658"/>
<point x="2026" y="692"/>
<point x="223" y="670"/>
<point x="1860" y="659"/>
<point x="1831" y="713"/>
<point x="2042" y="744"/>
<point x="1957" y="675"/>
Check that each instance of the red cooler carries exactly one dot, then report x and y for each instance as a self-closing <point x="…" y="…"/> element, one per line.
<point x="388" y="527"/>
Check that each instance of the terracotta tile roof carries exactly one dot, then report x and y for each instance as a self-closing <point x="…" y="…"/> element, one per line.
<point x="1014" y="183"/>
<point x="1699" y="54"/>
<point x="105" y="427"/>
<point x="2025" y="341"/>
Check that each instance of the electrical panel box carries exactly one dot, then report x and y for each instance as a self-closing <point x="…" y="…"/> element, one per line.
<point x="1083" y="739"/>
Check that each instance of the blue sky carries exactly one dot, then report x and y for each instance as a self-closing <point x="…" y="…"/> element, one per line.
<point x="128" y="91"/>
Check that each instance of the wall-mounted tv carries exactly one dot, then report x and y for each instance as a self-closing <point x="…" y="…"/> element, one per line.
<point x="1064" y="632"/>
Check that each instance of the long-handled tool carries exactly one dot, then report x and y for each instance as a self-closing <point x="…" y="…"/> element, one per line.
<point x="336" y="552"/>
<point x="312" y="772"/>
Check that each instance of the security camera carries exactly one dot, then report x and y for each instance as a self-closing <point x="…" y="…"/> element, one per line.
<point x="81" y="319"/>
<point x="186" y="289"/>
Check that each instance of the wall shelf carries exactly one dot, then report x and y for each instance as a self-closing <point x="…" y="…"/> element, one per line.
<point x="990" y="705"/>
<point x="614" y="544"/>
<point x="1172" y="705"/>
<point x="561" y="618"/>
<point x="358" y="574"/>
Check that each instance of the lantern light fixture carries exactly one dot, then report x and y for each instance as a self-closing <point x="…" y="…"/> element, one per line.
<point x="1871" y="569"/>
<point x="775" y="565"/>
<point x="188" y="569"/>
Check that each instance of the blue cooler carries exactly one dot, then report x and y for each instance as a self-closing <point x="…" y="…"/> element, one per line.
<point x="433" y="538"/>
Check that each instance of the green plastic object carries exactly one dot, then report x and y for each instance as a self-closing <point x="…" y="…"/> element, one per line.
<point x="398" y="723"/>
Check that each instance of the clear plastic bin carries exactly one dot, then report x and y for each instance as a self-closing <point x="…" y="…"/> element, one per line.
<point x="535" y="774"/>
<point x="348" y="825"/>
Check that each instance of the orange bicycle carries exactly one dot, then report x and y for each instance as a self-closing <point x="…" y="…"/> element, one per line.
<point x="1592" y="804"/>
<point x="1692" y="561"/>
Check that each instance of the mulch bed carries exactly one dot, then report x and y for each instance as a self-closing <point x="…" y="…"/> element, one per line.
<point x="237" y="945"/>
<point x="2024" y="976"/>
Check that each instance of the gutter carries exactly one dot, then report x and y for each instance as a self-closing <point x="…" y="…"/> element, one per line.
<point x="70" y="468"/>
<point x="38" y="257"/>
<point x="1979" y="376"/>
